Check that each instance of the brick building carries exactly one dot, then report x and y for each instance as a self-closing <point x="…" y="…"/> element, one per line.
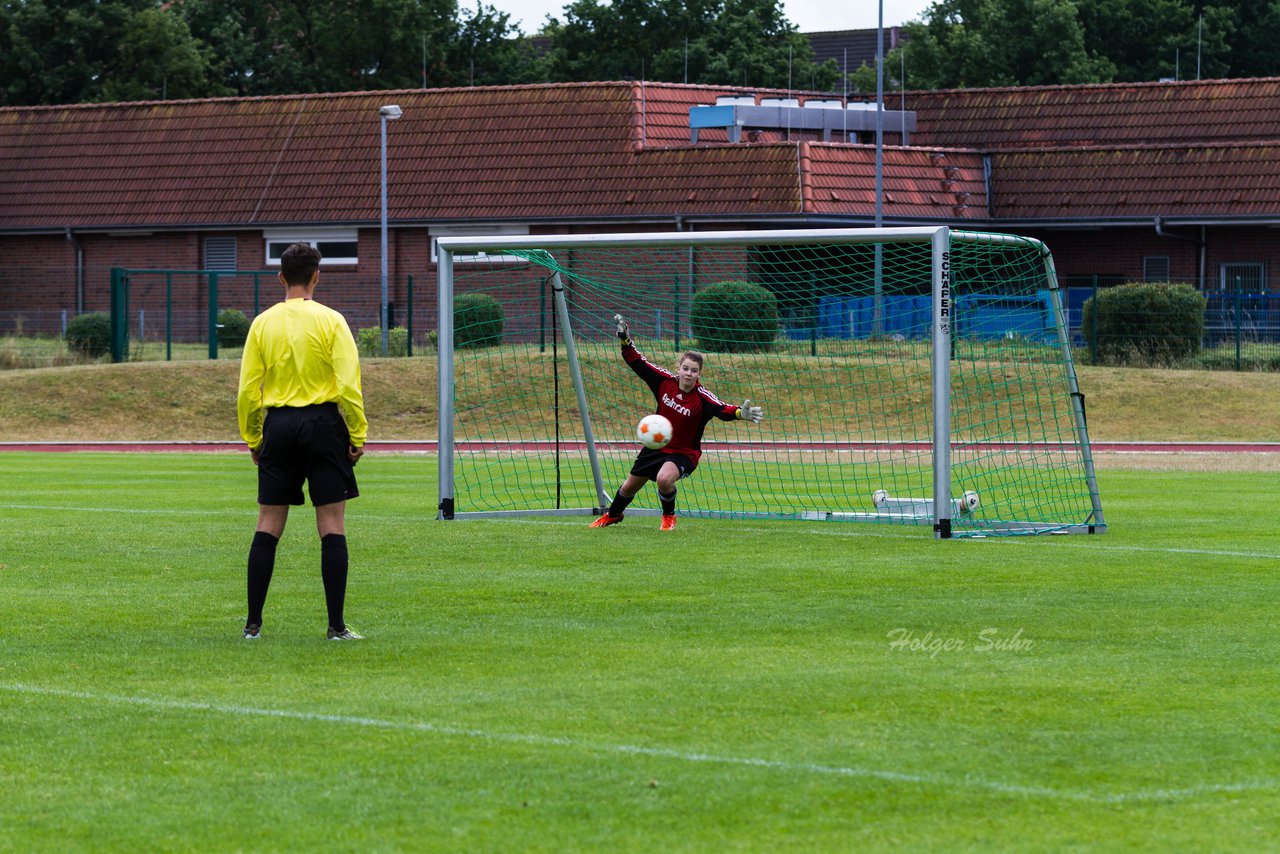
<point x="1126" y="181"/>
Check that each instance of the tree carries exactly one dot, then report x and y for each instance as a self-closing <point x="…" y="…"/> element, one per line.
<point x="67" y="51"/>
<point x="1036" y="42"/>
<point x="156" y="57"/>
<point x="292" y="46"/>
<point x="1240" y="39"/>
<point x="1001" y="43"/>
<point x="863" y="79"/>
<point x="488" y="50"/>
<point x="70" y="51"/>
<point x="753" y="39"/>
<point x="1151" y="39"/>
<point x="233" y="30"/>
<point x="602" y="41"/>
<point x="745" y="42"/>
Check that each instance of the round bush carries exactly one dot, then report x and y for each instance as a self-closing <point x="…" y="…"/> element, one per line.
<point x="233" y="328"/>
<point x="734" y="317"/>
<point x="477" y="321"/>
<point x="369" y="341"/>
<point x="1144" y="323"/>
<point x="89" y="334"/>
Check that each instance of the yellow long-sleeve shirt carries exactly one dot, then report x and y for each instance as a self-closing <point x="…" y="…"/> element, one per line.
<point x="299" y="353"/>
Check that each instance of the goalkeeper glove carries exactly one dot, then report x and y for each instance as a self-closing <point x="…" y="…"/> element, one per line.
<point x="624" y="332"/>
<point x="747" y="412"/>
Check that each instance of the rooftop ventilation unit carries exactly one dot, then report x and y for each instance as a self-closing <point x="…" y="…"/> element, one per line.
<point x="735" y="113"/>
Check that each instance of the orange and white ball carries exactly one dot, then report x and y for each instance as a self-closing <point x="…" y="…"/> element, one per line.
<point x="654" y="431"/>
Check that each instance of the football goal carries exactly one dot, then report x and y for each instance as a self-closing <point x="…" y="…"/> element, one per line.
<point x="909" y="376"/>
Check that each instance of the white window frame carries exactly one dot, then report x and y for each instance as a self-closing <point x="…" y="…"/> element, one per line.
<point x="478" y="230"/>
<point x="313" y="237"/>
<point x="1229" y="284"/>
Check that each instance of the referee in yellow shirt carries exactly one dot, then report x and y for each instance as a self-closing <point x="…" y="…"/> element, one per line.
<point x="302" y="414"/>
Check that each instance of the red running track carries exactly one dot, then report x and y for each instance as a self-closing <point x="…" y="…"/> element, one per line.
<point x="430" y="446"/>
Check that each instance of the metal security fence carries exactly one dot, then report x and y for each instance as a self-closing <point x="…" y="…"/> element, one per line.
<point x="1241" y="330"/>
<point x="157" y="314"/>
<point x="184" y="307"/>
<point x="181" y="314"/>
<point x="172" y="314"/>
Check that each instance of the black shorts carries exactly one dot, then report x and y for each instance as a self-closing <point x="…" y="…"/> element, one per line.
<point x="649" y="462"/>
<point x="305" y="443"/>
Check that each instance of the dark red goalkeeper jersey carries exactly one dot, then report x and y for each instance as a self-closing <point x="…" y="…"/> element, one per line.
<point x="688" y="412"/>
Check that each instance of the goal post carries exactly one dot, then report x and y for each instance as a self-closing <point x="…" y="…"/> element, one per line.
<point x="910" y="376"/>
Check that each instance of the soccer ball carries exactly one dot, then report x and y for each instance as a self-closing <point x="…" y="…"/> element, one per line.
<point x="654" y="431"/>
<point x="967" y="503"/>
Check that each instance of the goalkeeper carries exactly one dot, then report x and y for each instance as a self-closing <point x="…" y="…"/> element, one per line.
<point x="688" y="405"/>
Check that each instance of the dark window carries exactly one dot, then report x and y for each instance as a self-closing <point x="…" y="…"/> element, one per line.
<point x="1155" y="268"/>
<point x="1251" y="278"/>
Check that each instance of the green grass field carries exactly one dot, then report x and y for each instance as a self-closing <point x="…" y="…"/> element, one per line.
<point x="538" y="685"/>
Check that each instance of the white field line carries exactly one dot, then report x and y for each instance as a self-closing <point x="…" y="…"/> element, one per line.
<point x="1093" y="543"/>
<point x="968" y="781"/>
<point x="171" y="511"/>
<point x="854" y="529"/>
<point x="1178" y="551"/>
<point x="862" y="530"/>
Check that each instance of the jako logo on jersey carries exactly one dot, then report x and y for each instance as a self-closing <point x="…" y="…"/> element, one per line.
<point x="683" y="410"/>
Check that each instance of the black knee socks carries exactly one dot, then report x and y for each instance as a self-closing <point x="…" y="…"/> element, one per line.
<point x="333" y="570"/>
<point x="620" y="503"/>
<point x="262" y="562"/>
<point x="668" y="502"/>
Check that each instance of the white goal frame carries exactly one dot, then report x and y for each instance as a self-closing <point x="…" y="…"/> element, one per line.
<point x="939" y="509"/>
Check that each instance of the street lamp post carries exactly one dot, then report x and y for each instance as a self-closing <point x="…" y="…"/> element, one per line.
<point x="877" y="308"/>
<point x="388" y="112"/>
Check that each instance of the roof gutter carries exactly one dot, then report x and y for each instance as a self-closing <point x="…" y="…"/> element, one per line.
<point x="986" y="185"/>
<point x="1199" y="242"/>
<point x="71" y="238"/>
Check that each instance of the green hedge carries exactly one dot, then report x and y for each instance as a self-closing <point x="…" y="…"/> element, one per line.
<point x="734" y="317"/>
<point x="369" y="341"/>
<point x="89" y="334"/>
<point x="233" y="328"/>
<point x="477" y="321"/>
<point x="1144" y="323"/>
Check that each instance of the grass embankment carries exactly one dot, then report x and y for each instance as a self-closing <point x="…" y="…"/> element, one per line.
<point x="195" y="401"/>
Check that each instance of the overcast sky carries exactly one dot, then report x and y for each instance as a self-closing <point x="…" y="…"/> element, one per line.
<point x="809" y="16"/>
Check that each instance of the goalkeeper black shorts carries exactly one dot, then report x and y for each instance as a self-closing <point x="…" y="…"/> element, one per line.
<point x="305" y="443"/>
<point x="649" y="462"/>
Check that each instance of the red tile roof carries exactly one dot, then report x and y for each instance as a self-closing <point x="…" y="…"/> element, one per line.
<point x="1106" y="114"/>
<point x="1228" y="180"/>
<point x="528" y="152"/>
<point x="919" y="183"/>
<point x="540" y="151"/>
<point x="622" y="150"/>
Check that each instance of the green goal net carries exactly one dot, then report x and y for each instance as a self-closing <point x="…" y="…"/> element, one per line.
<point x="910" y="376"/>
